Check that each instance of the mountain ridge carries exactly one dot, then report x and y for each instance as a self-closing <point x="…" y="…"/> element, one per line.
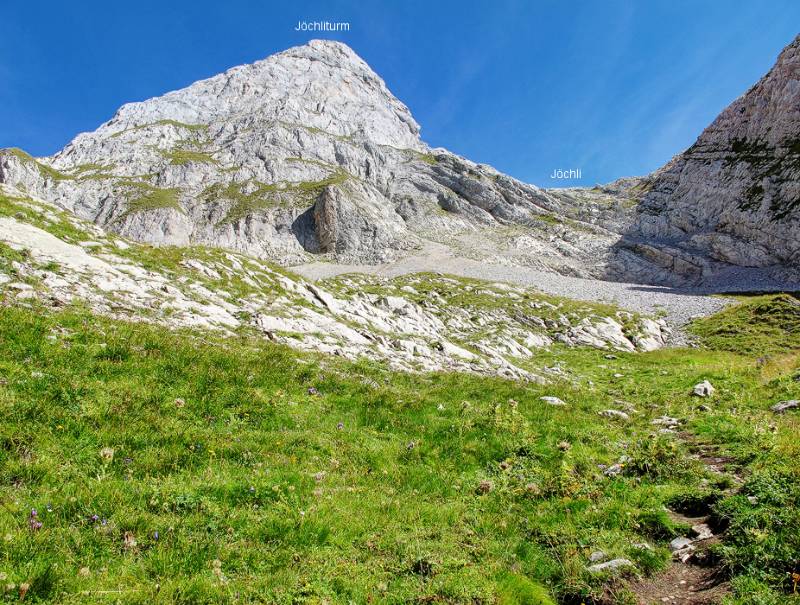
<point x="306" y="155"/>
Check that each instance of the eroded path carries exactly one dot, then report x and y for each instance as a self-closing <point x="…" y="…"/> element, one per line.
<point x="694" y="576"/>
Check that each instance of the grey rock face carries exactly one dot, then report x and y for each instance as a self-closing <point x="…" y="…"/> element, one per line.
<point x="732" y="200"/>
<point x="615" y="414"/>
<point x="679" y="543"/>
<point x="597" y="556"/>
<point x="306" y="156"/>
<point x="301" y="156"/>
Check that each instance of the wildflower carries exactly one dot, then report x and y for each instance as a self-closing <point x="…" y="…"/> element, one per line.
<point x="533" y="489"/>
<point x="252" y="490"/>
<point x="94" y="518"/>
<point x="411" y="445"/>
<point x="33" y="521"/>
<point x="312" y="391"/>
<point x="107" y="454"/>
<point x="484" y="487"/>
<point x="340" y="426"/>
<point x="155" y="535"/>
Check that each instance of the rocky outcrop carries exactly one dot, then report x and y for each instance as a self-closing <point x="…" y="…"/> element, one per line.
<point x="420" y="322"/>
<point x="732" y="200"/>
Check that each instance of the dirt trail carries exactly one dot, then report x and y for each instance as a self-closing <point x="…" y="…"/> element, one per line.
<point x="694" y="577"/>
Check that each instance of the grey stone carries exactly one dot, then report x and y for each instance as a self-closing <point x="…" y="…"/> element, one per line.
<point x="680" y="543"/>
<point x="616" y="414"/>
<point x="613" y="565"/>
<point x="702" y="531"/>
<point x="703" y="389"/>
<point x="598" y="556"/>
<point x="782" y="406"/>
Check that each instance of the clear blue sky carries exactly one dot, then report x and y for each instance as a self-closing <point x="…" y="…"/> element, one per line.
<point x="609" y="86"/>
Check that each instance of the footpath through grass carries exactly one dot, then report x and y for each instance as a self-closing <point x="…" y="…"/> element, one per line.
<point x="139" y="465"/>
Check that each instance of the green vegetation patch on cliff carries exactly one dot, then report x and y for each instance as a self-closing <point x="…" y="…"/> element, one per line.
<point x="175" y="123"/>
<point x="181" y="157"/>
<point x="249" y="197"/>
<point x="143" y="197"/>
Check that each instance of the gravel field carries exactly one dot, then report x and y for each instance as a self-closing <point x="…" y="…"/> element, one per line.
<point x="677" y="306"/>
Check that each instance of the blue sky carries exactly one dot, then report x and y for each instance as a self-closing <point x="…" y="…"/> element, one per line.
<point x="612" y="87"/>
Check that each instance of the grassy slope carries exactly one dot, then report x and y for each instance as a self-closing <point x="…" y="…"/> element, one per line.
<point x="257" y="495"/>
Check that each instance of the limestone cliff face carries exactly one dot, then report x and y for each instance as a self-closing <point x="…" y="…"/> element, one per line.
<point x="303" y="155"/>
<point x="307" y="155"/>
<point x="733" y="198"/>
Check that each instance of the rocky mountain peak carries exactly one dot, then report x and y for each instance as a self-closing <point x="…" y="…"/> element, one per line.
<point x="322" y="84"/>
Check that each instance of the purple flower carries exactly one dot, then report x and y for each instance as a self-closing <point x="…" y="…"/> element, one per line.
<point x="155" y="535"/>
<point x="95" y="518"/>
<point x="104" y="522"/>
<point x="33" y="522"/>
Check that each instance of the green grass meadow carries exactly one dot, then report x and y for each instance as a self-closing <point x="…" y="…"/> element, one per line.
<point x="181" y="467"/>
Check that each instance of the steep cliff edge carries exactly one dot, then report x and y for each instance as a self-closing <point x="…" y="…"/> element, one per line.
<point x="732" y="200"/>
